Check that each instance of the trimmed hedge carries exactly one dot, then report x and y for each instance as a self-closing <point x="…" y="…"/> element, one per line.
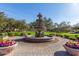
<point x="68" y="36"/>
<point x="15" y="34"/>
<point x="50" y="34"/>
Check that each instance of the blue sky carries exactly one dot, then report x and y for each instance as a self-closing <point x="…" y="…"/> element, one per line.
<point x="58" y="12"/>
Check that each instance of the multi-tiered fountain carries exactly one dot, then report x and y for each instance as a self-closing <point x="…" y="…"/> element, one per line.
<point x="39" y="31"/>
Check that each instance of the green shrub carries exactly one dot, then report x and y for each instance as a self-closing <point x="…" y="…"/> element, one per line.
<point x="77" y="36"/>
<point x="11" y="34"/>
<point x="22" y="34"/>
<point x="1" y="34"/>
<point x="66" y="36"/>
<point x="72" y="38"/>
<point x="57" y="35"/>
<point x="15" y="34"/>
<point x="61" y="35"/>
<point x="50" y="35"/>
<point x="28" y="33"/>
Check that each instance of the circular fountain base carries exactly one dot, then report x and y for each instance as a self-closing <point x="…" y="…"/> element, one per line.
<point x="39" y="39"/>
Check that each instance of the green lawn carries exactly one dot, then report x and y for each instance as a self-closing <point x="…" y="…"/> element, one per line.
<point x="45" y="33"/>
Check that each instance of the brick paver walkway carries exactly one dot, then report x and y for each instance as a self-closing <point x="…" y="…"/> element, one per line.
<point x="41" y="49"/>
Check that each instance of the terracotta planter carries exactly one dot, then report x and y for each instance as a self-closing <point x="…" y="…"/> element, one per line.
<point x="72" y="51"/>
<point x="7" y="50"/>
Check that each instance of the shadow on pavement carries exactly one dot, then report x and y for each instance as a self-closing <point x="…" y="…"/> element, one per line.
<point x="61" y="53"/>
<point x="2" y="55"/>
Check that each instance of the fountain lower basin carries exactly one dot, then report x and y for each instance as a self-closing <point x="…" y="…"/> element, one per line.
<point x="38" y="39"/>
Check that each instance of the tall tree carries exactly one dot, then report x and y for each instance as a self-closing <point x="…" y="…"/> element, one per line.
<point x="10" y="24"/>
<point x="48" y="23"/>
<point x="75" y="27"/>
<point x="64" y="27"/>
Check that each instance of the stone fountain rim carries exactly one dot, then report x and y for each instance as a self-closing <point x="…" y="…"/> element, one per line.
<point x="39" y="37"/>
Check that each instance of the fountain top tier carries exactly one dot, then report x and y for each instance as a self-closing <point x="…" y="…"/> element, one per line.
<point x="39" y="15"/>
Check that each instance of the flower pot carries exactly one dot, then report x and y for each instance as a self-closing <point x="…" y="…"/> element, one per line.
<point x="72" y="51"/>
<point x="7" y="50"/>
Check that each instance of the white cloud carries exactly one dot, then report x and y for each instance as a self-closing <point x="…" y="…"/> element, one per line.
<point x="74" y="21"/>
<point x="75" y="7"/>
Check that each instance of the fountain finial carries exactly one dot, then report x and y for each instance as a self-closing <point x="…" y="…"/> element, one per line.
<point x="39" y="15"/>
